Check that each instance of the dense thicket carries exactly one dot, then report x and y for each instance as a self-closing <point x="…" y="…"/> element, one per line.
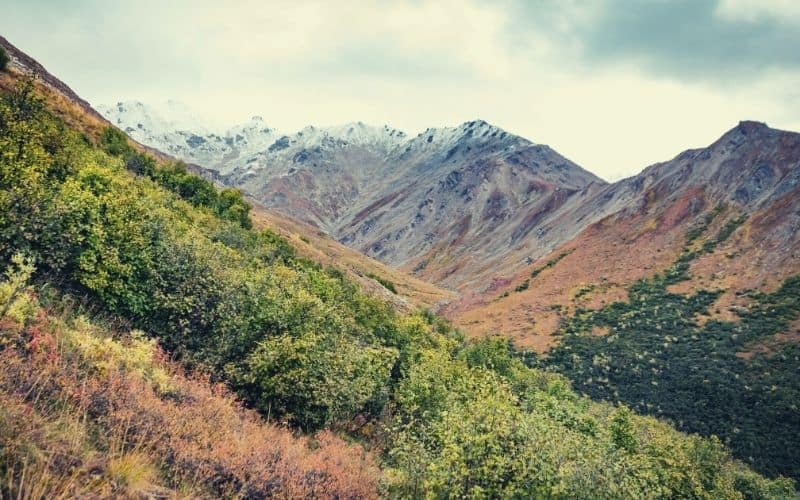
<point x="710" y="378"/>
<point x="147" y="243"/>
<point x="212" y="290"/>
<point x="227" y="203"/>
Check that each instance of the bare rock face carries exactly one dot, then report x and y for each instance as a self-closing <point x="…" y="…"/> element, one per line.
<point x="460" y="197"/>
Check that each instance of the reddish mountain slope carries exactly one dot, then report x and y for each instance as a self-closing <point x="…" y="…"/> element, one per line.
<point x="640" y="227"/>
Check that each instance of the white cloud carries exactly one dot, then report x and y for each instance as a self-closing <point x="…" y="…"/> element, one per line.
<point x="787" y="11"/>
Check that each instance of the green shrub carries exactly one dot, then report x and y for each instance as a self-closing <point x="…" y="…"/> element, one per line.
<point x="228" y="204"/>
<point x="114" y="142"/>
<point x="141" y="164"/>
<point x="659" y="361"/>
<point x="387" y="284"/>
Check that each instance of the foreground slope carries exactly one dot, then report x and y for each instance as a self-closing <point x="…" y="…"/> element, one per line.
<point x="117" y="235"/>
<point x="87" y="410"/>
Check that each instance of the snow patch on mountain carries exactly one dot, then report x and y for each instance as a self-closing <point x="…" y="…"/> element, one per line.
<point x="184" y="136"/>
<point x="245" y="147"/>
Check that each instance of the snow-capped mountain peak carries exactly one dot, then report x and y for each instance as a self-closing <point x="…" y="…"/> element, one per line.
<point x="184" y="136"/>
<point x="254" y="146"/>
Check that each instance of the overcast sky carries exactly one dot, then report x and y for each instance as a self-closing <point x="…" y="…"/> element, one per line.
<point x="612" y="84"/>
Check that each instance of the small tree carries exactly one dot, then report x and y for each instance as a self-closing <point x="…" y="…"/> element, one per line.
<point x="4" y="59"/>
<point x="114" y="142"/>
<point x="622" y="431"/>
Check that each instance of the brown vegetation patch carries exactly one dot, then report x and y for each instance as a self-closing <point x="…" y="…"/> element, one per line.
<point x="317" y="246"/>
<point x="77" y="429"/>
<point x="604" y="255"/>
<point x="770" y="345"/>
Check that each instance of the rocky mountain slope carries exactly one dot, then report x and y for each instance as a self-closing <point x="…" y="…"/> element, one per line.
<point x="749" y="180"/>
<point x="450" y="204"/>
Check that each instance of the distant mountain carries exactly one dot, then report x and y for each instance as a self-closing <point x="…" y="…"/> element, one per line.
<point x="445" y="204"/>
<point x="749" y="179"/>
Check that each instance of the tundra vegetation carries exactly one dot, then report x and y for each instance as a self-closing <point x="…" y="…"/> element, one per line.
<point x="732" y="379"/>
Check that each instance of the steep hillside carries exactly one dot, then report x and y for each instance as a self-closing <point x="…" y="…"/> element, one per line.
<point x="91" y="411"/>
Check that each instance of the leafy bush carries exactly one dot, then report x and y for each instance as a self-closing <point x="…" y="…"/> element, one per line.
<point x="317" y="380"/>
<point x="550" y="263"/>
<point x="114" y="142"/>
<point x="228" y="204"/>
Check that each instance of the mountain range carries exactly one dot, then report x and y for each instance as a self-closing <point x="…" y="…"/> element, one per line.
<point x="473" y="208"/>
<point x="446" y="204"/>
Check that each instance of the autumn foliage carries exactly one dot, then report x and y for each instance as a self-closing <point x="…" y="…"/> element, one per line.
<point x="89" y="412"/>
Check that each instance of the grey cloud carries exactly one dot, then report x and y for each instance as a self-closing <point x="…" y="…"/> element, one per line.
<point x="680" y="38"/>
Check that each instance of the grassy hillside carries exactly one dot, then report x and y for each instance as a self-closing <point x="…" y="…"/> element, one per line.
<point x="146" y="245"/>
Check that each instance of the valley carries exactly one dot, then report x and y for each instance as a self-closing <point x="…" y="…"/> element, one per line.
<point x="540" y="251"/>
<point x="355" y="312"/>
